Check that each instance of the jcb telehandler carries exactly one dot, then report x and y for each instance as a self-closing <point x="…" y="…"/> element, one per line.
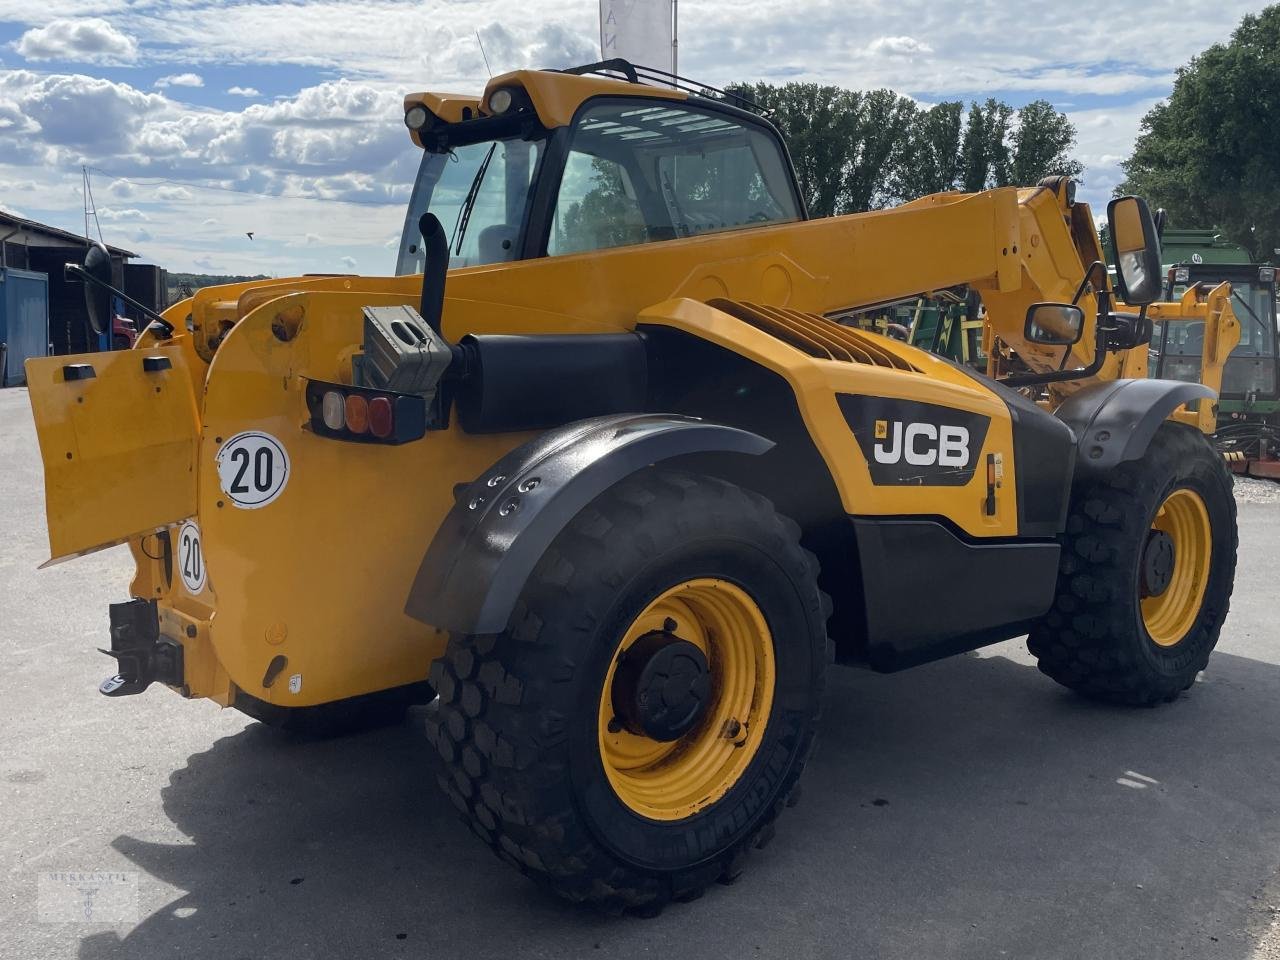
<point x="599" y="469"/>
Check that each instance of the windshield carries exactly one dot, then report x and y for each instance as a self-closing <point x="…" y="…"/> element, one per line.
<point x="1250" y="370"/>
<point x="1254" y="308"/>
<point x="480" y="193"/>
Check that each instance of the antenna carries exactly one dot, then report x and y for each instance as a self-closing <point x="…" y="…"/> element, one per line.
<point x="485" y="55"/>
<point x="90" y="207"/>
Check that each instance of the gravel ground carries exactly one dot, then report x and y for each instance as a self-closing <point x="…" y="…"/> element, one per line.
<point x="1253" y="490"/>
<point x="965" y="809"/>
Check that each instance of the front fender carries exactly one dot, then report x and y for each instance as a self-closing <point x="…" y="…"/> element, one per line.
<point x="503" y="522"/>
<point x="1115" y="420"/>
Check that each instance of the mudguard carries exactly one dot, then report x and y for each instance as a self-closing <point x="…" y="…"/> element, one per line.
<point x="1115" y="420"/>
<point x="503" y="522"/>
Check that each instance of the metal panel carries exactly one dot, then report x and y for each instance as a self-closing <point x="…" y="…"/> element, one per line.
<point x="118" y="443"/>
<point x="24" y="321"/>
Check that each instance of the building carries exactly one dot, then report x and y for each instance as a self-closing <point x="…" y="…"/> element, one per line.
<point x="38" y="247"/>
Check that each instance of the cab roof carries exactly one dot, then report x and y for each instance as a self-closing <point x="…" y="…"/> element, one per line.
<point x="553" y="95"/>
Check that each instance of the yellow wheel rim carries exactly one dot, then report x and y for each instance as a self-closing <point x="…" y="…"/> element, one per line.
<point x="1170" y="616"/>
<point x="671" y="781"/>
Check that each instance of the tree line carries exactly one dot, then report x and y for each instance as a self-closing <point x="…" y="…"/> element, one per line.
<point x="862" y="150"/>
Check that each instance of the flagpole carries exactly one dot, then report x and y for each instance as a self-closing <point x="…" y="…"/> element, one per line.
<point x="675" y="41"/>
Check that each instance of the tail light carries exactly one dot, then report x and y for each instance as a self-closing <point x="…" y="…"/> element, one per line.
<point x="362" y="415"/>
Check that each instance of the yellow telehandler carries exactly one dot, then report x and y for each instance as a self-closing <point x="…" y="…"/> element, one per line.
<point x="599" y="468"/>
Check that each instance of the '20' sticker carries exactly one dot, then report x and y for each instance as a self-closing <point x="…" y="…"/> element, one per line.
<point x="253" y="469"/>
<point x="191" y="557"/>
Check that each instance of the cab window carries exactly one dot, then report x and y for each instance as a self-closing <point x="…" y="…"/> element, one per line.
<point x="639" y="172"/>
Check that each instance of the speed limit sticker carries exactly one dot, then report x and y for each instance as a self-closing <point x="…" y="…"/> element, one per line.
<point x="191" y="557"/>
<point x="253" y="469"/>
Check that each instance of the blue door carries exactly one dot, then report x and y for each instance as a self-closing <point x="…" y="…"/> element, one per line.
<point x="24" y="323"/>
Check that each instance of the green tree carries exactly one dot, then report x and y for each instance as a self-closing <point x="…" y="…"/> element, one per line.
<point x="844" y="143"/>
<point x="1042" y="141"/>
<point x="930" y="159"/>
<point x="984" y="154"/>
<point x="1210" y="154"/>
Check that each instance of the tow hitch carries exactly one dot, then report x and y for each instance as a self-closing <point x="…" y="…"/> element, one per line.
<point x="143" y="655"/>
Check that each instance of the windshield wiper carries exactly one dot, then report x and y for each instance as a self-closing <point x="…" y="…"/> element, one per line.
<point x="1244" y="303"/>
<point x="464" y="215"/>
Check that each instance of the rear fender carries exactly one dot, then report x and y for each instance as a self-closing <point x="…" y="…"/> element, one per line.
<point x="504" y="521"/>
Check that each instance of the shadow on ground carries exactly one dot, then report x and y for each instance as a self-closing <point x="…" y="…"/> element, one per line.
<point x="966" y="809"/>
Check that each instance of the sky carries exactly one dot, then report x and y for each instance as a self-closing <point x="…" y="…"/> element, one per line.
<point x="202" y="121"/>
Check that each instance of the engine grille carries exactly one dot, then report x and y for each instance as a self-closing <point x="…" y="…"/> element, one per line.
<point x="814" y="334"/>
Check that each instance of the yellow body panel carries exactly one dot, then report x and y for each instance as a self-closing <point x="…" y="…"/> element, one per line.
<point x="816" y="384"/>
<point x="119" y="448"/>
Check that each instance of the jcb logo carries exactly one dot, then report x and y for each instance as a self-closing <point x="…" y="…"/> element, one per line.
<point x="921" y="444"/>
<point x="909" y="443"/>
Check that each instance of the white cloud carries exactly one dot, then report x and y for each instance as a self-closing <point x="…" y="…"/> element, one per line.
<point x="348" y="262"/>
<point x="899" y="47"/>
<point x="75" y="110"/>
<point x="87" y="40"/>
<point x="243" y="92"/>
<point x="171" y="194"/>
<point x="110" y="213"/>
<point x="180" y="80"/>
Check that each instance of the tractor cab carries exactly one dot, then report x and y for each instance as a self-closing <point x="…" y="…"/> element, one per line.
<point x="549" y="163"/>
<point x="1250" y="377"/>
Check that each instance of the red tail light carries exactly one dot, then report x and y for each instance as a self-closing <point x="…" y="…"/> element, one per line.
<point x="381" y="417"/>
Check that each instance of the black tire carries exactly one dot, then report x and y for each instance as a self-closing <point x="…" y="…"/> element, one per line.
<point x="1094" y="639"/>
<point x="516" y="725"/>
<point x="341" y="718"/>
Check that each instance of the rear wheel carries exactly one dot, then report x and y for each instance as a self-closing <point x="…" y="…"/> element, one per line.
<point x="648" y="712"/>
<point x="1148" y="563"/>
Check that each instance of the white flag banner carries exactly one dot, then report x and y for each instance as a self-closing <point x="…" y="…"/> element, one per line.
<point x="637" y="30"/>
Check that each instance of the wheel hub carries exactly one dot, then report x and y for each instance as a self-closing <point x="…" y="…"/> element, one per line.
<point x="1159" y="559"/>
<point x="662" y="687"/>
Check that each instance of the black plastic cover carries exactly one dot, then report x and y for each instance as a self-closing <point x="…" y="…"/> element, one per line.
<point x="930" y="593"/>
<point x="1115" y="420"/>
<point x="516" y="382"/>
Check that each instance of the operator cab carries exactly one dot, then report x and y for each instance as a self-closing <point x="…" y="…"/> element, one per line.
<point x="1251" y="374"/>
<point x="627" y="163"/>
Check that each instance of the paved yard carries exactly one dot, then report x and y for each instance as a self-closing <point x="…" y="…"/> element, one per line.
<point x="966" y="809"/>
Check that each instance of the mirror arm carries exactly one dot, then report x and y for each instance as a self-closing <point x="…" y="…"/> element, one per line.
<point x="75" y="270"/>
<point x="1088" y="276"/>
<point x="1058" y="376"/>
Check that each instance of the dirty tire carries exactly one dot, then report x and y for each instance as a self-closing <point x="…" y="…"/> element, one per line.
<point x="516" y="725"/>
<point x="1094" y="639"/>
<point x="341" y="718"/>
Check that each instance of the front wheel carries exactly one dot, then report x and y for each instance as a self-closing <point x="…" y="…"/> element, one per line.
<point x="1148" y="563"/>
<point x="648" y="712"/>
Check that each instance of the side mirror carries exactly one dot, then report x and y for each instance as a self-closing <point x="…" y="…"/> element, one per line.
<point x="1054" y="324"/>
<point x="97" y="296"/>
<point x="1136" y="243"/>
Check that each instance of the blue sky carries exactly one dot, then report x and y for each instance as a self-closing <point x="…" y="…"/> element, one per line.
<point x="293" y="109"/>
